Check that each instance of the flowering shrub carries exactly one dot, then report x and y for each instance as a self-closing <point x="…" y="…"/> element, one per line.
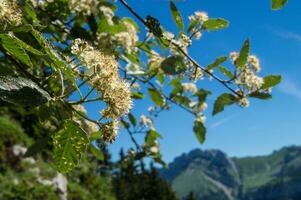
<point x="52" y="49"/>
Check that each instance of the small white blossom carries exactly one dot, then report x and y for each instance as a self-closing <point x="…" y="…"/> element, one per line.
<point x="151" y="109"/>
<point x="254" y="62"/>
<point x="244" y="102"/>
<point x="108" y="13"/>
<point x="199" y="16"/>
<point x="155" y="148"/>
<point x="201" y="118"/>
<point x="189" y="87"/>
<point x="146" y="121"/>
<point x="168" y="36"/>
<point x="233" y="56"/>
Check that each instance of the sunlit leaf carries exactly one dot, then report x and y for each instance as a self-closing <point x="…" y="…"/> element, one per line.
<point x="151" y="136"/>
<point x="270" y="81"/>
<point x="69" y="145"/>
<point x="176" y="16"/>
<point x="173" y="65"/>
<point x="215" y="24"/>
<point x="202" y="94"/>
<point x="137" y="95"/>
<point x="200" y="131"/>
<point x="222" y="101"/>
<point x="261" y="95"/>
<point x="96" y="152"/>
<point x="14" y="49"/>
<point x="243" y="55"/>
<point x="225" y="71"/>
<point x="156" y="96"/>
<point x="278" y="4"/>
<point x="132" y="119"/>
<point x="217" y="62"/>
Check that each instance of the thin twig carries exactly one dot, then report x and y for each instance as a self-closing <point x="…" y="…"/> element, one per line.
<point x="86" y="101"/>
<point x="181" y="50"/>
<point x="83" y="116"/>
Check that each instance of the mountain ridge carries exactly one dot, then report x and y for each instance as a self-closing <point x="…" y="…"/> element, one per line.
<point x="211" y="174"/>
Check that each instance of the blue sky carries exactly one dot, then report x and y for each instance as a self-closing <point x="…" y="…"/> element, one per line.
<point x="265" y="125"/>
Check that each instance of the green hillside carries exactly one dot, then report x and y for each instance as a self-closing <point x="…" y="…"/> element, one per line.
<point x="213" y="175"/>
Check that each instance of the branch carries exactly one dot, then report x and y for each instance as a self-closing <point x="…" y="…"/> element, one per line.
<point x="131" y="134"/>
<point x="180" y="49"/>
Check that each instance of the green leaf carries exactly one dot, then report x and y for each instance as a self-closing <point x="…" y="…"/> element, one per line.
<point x="177" y="87"/>
<point x="261" y="95"/>
<point x="96" y="152"/>
<point x="222" y="101"/>
<point x="137" y="95"/>
<point x="278" y="4"/>
<point x="132" y="119"/>
<point x="12" y="47"/>
<point x="69" y="144"/>
<point x="156" y="96"/>
<point x="125" y="124"/>
<point x="270" y="81"/>
<point x="225" y="71"/>
<point x="200" y="131"/>
<point x="95" y="136"/>
<point x="217" y="62"/>
<point x="26" y="46"/>
<point x="182" y="100"/>
<point x="243" y="55"/>
<point x="176" y="16"/>
<point x="215" y="24"/>
<point x="160" y="78"/>
<point x="54" y="57"/>
<point x="192" y="25"/>
<point x="202" y="94"/>
<point x="173" y="65"/>
<point x="37" y="147"/>
<point x="151" y="136"/>
<point x="30" y="13"/>
<point x="21" y="91"/>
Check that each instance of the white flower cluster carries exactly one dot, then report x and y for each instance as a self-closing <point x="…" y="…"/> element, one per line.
<point x="10" y="12"/>
<point x="146" y="121"/>
<point x="108" y="13"/>
<point x="198" y="109"/>
<point x="246" y="76"/>
<point x="106" y="80"/>
<point x="125" y="39"/>
<point x="40" y="3"/>
<point x="199" y="18"/>
<point x="183" y="42"/>
<point x="87" y="7"/>
<point x="189" y="87"/>
<point x="195" y="73"/>
<point x="155" y="60"/>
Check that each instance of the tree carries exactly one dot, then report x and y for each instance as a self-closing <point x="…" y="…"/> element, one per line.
<point x="58" y="55"/>
<point x="132" y="182"/>
<point x="190" y="196"/>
